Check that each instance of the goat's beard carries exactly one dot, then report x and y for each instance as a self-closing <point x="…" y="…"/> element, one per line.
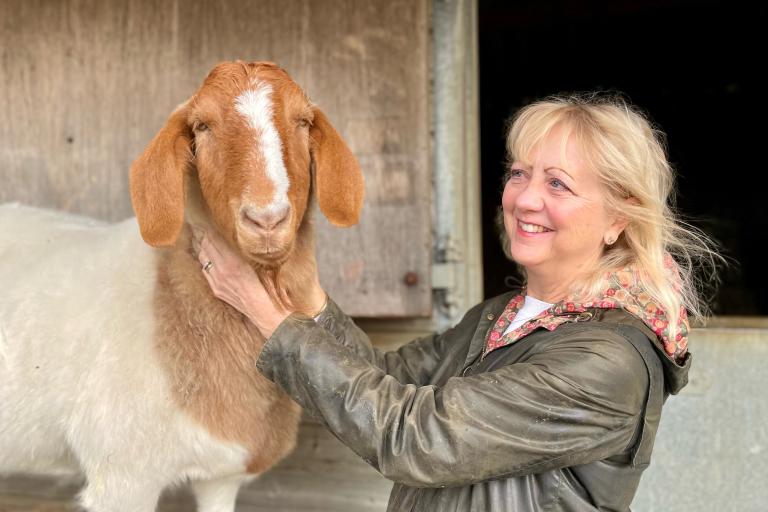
<point x="278" y="280"/>
<point x="271" y="280"/>
<point x="285" y="288"/>
<point x="286" y="274"/>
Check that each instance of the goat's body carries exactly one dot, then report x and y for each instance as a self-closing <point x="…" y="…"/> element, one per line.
<point x="90" y="382"/>
<point x="115" y="358"/>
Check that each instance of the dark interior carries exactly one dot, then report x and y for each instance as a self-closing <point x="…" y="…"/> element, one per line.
<point x="691" y="66"/>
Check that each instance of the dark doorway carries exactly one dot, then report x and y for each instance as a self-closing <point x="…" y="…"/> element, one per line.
<point x="692" y="66"/>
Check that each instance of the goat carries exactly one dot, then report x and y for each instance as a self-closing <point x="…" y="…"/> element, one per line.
<point x="115" y="358"/>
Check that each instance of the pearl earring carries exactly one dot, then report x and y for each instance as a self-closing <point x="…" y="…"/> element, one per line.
<point x="610" y="240"/>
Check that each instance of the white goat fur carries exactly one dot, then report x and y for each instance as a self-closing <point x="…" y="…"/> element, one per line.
<point x="82" y="386"/>
<point x="69" y="370"/>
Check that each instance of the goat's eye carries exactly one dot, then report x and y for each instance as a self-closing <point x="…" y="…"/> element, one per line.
<point x="304" y="123"/>
<point x="200" y="127"/>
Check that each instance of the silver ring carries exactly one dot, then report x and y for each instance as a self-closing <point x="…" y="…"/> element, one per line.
<point x="208" y="266"/>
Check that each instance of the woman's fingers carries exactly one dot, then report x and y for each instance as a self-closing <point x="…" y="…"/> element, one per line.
<point x="209" y="247"/>
<point x="214" y="253"/>
<point x="211" y="283"/>
<point x="235" y="282"/>
<point x="203" y="258"/>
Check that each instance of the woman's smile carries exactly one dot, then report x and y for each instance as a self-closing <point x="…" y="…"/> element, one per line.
<point x="531" y="228"/>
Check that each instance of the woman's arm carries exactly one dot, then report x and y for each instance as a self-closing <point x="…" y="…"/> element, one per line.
<point x="234" y="281"/>
<point x="413" y="363"/>
<point x="577" y="402"/>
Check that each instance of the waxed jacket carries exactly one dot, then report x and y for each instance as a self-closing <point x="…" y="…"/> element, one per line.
<point x="559" y="420"/>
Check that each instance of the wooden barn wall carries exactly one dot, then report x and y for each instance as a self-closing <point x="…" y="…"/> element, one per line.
<point x="85" y="84"/>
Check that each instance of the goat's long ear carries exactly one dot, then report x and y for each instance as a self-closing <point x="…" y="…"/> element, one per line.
<point x="338" y="180"/>
<point x="157" y="181"/>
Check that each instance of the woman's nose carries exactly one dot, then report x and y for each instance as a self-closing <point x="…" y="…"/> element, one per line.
<point x="530" y="197"/>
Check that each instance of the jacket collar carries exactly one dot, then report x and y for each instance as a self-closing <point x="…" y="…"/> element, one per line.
<point x="623" y="291"/>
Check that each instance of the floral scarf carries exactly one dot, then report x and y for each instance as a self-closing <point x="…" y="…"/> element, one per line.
<point x="624" y="292"/>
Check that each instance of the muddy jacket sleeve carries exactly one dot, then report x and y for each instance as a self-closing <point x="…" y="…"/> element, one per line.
<point x="412" y="363"/>
<point x="576" y="402"/>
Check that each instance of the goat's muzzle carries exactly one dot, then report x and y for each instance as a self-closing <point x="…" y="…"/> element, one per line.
<point x="265" y="233"/>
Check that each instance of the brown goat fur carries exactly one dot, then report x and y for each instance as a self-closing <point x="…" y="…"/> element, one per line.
<point x="209" y="350"/>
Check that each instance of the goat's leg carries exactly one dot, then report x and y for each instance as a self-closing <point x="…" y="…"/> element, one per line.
<point x="220" y="494"/>
<point x="109" y="493"/>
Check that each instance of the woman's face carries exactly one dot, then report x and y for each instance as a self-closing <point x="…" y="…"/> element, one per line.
<point x="554" y="211"/>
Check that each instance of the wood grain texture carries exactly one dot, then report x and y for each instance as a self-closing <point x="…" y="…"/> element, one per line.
<point x="85" y="84"/>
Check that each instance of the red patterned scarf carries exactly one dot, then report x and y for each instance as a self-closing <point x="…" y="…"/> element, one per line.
<point x="624" y="292"/>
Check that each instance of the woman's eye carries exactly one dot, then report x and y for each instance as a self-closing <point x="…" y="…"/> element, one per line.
<point x="512" y="174"/>
<point x="558" y="185"/>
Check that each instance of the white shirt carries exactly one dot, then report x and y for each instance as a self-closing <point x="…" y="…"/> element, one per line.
<point x="531" y="309"/>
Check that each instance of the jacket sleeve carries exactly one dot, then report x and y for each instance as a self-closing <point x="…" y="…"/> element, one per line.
<point x="575" y="402"/>
<point x="412" y="363"/>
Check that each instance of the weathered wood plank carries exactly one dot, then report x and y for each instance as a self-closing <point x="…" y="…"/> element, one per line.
<point x="85" y="84"/>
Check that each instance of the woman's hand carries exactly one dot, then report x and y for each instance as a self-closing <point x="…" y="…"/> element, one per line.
<point x="233" y="280"/>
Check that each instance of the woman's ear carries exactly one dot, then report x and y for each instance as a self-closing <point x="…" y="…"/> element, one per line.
<point x="157" y="181"/>
<point x="339" y="183"/>
<point x="619" y="224"/>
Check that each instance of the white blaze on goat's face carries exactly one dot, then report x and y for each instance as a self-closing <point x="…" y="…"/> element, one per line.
<point x="256" y="106"/>
<point x="252" y="155"/>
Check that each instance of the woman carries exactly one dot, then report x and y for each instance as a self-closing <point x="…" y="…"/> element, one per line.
<point x="547" y="397"/>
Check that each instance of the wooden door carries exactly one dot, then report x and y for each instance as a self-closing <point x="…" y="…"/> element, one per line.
<point x="85" y="84"/>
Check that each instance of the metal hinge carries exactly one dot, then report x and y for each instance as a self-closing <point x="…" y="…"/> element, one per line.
<point x="447" y="267"/>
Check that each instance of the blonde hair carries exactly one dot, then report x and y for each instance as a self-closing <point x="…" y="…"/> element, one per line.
<point x="628" y="155"/>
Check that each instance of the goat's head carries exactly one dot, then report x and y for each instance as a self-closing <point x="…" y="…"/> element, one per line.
<point x="252" y="137"/>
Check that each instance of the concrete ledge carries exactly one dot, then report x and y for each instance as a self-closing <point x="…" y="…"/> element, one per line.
<point x="738" y="322"/>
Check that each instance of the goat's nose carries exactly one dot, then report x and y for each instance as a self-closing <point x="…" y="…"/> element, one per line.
<point x="266" y="219"/>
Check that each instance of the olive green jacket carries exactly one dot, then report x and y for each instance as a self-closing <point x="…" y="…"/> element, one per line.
<point x="559" y="420"/>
